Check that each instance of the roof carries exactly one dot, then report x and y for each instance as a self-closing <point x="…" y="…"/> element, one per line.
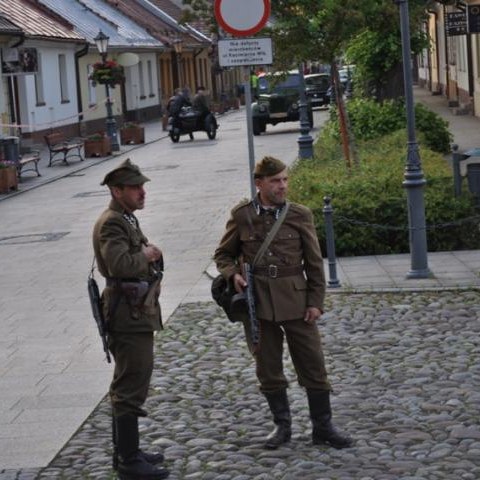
<point x="90" y="16"/>
<point x="7" y="27"/>
<point x="199" y="27"/>
<point x="157" y="23"/>
<point x="35" y="23"/>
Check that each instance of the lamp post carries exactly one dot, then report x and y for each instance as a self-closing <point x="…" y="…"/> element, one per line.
<point x="414" y="180"/>
<point x="101" y="40"/>
<point x="305" y="141"/>
<point x="178" y="47"/>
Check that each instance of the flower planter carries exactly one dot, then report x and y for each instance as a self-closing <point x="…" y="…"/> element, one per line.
<point x="132" y="134"/>
<point x="98" y="148"/>
<point x="8" y="180"/>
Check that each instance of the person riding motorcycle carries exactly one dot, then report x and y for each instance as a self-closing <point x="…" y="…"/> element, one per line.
<point x="200" y="105"/>
<point x="176" y="103"/>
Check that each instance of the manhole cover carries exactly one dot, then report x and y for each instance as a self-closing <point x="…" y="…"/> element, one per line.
<point x="76" y="175"/>
<point x="97" y="193"/>
<point x="226" y="170"/>
<point x="159" y="167"/>
<point x="231" y="129"/>
<point x="32" y="238"/>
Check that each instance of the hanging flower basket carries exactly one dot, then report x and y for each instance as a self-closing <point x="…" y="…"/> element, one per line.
<point x="107" y="73"/>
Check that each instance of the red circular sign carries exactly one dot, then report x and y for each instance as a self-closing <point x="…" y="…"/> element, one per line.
<point x="244" y="20"/>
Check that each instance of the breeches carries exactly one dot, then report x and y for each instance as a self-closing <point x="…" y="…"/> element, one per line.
<point x="305" y="349"/>
<point x="133" y="354"/>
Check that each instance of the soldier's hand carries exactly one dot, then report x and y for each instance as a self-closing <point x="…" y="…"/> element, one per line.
<point x="312" y="315"/>
<point x="152" y="252"/>
<point x="239" y="283"/>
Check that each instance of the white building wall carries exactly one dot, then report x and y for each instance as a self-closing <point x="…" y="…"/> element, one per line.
<point x="54" y="112"/>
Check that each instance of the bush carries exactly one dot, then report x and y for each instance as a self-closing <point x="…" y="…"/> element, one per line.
<point x="371" y="119"/>
<point x="370" y="204"/>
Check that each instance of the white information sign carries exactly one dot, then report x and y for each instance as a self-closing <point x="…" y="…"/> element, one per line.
<point x="234" y="52"/>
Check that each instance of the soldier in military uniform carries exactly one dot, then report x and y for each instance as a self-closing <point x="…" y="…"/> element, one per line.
<point x="132" y="267"/>
<point x="289" y="285"/>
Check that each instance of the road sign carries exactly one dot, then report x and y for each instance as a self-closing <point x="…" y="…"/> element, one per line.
<point x="234" y="52"/>
<point x="242" y="18"/>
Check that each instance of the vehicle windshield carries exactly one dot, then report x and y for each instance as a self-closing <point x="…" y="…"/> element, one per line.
<point x="320" y="81"/>
<point x="269" y="83"/>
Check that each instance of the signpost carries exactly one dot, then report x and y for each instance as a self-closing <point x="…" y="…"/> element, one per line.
<point x="242" y="19"/>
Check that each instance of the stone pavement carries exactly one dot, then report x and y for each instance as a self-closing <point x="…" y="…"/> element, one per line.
<point x="405" y="357"/>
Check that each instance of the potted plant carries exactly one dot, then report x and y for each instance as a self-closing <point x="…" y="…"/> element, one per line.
<point x="98" y="145"/>
<point x="132" y="133"/>
<point x="8" y="176"/>
<point x="108" y="73"/>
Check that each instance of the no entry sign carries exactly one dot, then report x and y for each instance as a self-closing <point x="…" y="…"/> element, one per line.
<point x="242" y="18"/>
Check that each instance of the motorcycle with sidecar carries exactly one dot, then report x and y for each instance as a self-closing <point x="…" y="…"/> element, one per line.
<point x="188" y="121"/>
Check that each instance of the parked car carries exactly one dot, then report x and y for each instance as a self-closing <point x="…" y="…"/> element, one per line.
<point x="278" y="101"/>
<point x="316" y="88"/>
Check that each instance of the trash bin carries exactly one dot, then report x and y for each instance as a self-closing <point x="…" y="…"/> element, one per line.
<point x="10" y="147"/>
<point x="473" y="178"/>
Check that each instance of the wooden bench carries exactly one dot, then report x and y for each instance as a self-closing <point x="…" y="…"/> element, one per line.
<point x="58" y="145"/>
<point x="28" y="162"/>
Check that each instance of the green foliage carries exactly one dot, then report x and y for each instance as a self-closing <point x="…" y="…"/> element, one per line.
<point x="370" y="205"/>
<point x="370" y="119"/>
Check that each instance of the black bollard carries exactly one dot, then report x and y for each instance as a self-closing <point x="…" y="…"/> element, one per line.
<point x="333" y="281"/>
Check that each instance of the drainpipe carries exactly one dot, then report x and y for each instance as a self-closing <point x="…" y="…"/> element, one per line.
<point x="447" y="66"/>
<point x="78" y="55"/>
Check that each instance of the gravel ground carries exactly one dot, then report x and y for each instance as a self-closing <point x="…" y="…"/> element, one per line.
<point x="406" y="380"/>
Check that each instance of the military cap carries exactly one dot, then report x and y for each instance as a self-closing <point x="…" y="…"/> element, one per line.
<point x="127" y="173"/>
<point x="268" y="166"/>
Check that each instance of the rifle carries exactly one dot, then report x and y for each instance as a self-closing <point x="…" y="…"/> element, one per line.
<point x="95" y="302"/>
<point x="252" y="315"/>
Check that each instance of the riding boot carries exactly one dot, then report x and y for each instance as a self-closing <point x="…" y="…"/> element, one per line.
<point x="132" y="463"/>
<point x="321" y="415"/>
<point x="278" y="403"/>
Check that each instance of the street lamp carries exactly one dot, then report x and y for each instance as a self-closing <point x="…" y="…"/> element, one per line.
<point x="305" y="141"/>
<point x="414" y="180"/>
<point x="178" y="48"/>
<point x="101" y="41"/>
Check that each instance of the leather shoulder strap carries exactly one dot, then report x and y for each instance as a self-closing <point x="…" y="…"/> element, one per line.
<point x="271" y="234"/>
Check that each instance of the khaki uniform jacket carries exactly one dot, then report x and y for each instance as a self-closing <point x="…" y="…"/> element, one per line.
<point x="296" y="243"/>
<point x="118" y="251"/>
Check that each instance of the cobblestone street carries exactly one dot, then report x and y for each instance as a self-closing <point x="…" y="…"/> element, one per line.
<point x="406" y="383"/>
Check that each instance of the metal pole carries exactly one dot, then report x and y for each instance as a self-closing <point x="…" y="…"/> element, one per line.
<point x="251" y="150"/>
<point x="111" y="123"/>
<point x="457" y="179"/>
<point x="305" y="141"/>
<point x="414" y="180"/>
<point x="330" y="240"/>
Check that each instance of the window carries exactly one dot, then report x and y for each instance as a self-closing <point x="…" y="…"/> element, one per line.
<point x="141" y="79"/>
<point x="62" y="68"/>
<point x="92" y="91"/>
<point x="38" y="79"/>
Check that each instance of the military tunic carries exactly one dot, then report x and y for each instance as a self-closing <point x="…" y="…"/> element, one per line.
<point x="287" y="280"/>
<point x="117" y="243"/>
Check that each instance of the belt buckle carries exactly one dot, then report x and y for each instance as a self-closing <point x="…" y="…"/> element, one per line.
<point x="272" y="271"/>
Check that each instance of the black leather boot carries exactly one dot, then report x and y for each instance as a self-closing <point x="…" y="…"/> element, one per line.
<point x="278" y="403"/>
<point x="153" y="458"/>
<point x="132" y="463"/>
<point x="321" y="415"/>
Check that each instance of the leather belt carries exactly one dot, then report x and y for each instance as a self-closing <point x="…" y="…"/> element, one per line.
<point x="275" y="271"/>
<point x="114" y="282"/>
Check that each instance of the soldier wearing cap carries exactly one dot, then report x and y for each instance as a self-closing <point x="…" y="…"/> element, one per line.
<point x="289" y="285"/>
<point x="132" y="267"/>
